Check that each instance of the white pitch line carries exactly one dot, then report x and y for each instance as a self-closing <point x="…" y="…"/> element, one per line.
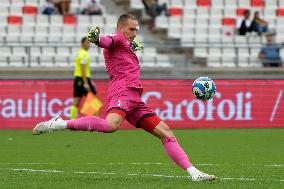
<point x="274" y="165"/>
<point x="276" y="105"/>
<point x="139" y="163"/>
<point x="39" y="170"/>
<point x="27" y="163"/>
<point x="135" y="163"/>
<point x="136" y="174"/>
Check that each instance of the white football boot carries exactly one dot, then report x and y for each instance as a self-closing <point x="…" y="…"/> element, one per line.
<point x="54" y="124"/>
<point x="197" y="175"/>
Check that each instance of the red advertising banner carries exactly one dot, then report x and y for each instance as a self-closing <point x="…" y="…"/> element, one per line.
<point x="237" y="103"/>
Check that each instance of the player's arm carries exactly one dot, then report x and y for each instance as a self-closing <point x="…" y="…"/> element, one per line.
<point x="103" y="41"/>
<point x="83" y="62"/>
<point x="86" y="84"/>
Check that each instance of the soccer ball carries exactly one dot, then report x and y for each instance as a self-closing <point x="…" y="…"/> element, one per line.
<point x="203" y="88"/>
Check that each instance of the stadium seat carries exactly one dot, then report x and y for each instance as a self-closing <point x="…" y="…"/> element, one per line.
<point x="150" y="51"/>
<point x="280" y="12"/>
<point x="216" y="12"/>
<point x="42" y="20"/>
<point x="202" y="12"/>
<point x="56" y="20"/>
<point x="81" y="32"/>
<point x="14" y="20"/>
<point x="190" y="3"/>
<point x="3" y="32"/>
<point x="136" y="4"/>
<point x="48" y="51"/>
<point x="272" y="4"/>
<point x="217" y="3"/>
<point x="68" y="31"/>
<point x="241" y="11"/>
<point x="174" y="32"/>
<point x="213" y="61"/>
<point x="83" y="20"/>
<point x="18" y="57"/>
<point x="215" y="52"/>
<point x="257" y="3"/>
<point x="17" y="2"/>
<point x="163" y="61"/>
<point x="32" y="2"/>
<point x="61" y="60"/>
<point x="244" y="3"/>
<point x="230" y="12"/>
<point x="27" y="34"/>
<point x="228" y="52"/>
<point x="31" y="10"/>
<point x="46" y="61"/>
<point x="29" y="20"/>
<point x="189" y="12"/>
<point x="41" y="32"/>
<point x="200" y="52"/>
<point x="6" y="51"/>
<point x="204" y="3"/>
<point x="16" y="10"/>
<point x="109" y="29"/>
<point x="162" y="22"/>
<point x="269" y="13"/>
<point x="175" y="11"/>
<point x="228" y="62"/>
<point x="14" y="32"/>
<point x="148" y="61"/>
<point x="4" y="11"/>
<point x="231" y="3"/>
<point x="70" y="20"/>
<point x="229" y="22"/>
<point x="110" y="20"/>
<point x="176" y="3"/>
<point x="97" y="21"/>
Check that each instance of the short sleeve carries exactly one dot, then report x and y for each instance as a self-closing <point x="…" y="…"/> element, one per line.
<point x="81" y="58"/>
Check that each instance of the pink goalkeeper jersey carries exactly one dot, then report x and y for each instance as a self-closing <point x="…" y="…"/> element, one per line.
<point x="122" y="66"/>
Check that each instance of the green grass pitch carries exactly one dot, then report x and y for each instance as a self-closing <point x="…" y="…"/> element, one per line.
<point x="241" y="158"/>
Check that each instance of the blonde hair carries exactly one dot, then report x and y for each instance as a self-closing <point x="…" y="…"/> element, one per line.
<point x="123" y="18"/>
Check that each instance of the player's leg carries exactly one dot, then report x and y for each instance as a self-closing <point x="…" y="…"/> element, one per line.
<point x="176" y="153"/>
<point x="146" y="119"/>
<point x="78" y="92"/>
<point x="74" y="107"/>
<point x="110" y="124"/>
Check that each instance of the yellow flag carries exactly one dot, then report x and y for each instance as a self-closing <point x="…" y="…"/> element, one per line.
<point x="92" y="105"/>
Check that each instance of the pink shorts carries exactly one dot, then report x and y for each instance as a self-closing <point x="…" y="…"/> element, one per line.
<point x="134" y="111"/>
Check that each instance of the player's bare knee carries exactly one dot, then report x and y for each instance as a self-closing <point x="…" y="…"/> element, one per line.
<point x="114" y="126"/>
<point x="163" y="131"/>
<point x="114" y="122"/>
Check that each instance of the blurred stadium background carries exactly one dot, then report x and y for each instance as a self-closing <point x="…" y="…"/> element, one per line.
<point x="195" y="38"/>
<point x="198" y="37"/>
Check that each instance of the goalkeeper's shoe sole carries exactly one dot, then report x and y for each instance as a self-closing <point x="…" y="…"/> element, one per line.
<point x="53" y="124"/>
<point x="203" y="177"/>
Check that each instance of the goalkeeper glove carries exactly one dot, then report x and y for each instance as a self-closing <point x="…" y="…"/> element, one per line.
<point x="94" y="35"/>
<point x="136" y="45"/>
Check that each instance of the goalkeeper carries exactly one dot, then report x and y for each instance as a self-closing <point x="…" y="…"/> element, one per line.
<point x="124" y="97"/>
<point x="82" y="74"/>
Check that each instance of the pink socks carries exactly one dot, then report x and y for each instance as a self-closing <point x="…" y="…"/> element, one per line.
<point x="92" y="123"/>
<point x="176" y="153"/>
<point x="89" y="123"/>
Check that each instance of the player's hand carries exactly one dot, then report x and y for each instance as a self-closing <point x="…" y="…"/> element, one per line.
<point x="94" y="35"/>
<point x="137" y="45"/>
<point x="87" y="87"/>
